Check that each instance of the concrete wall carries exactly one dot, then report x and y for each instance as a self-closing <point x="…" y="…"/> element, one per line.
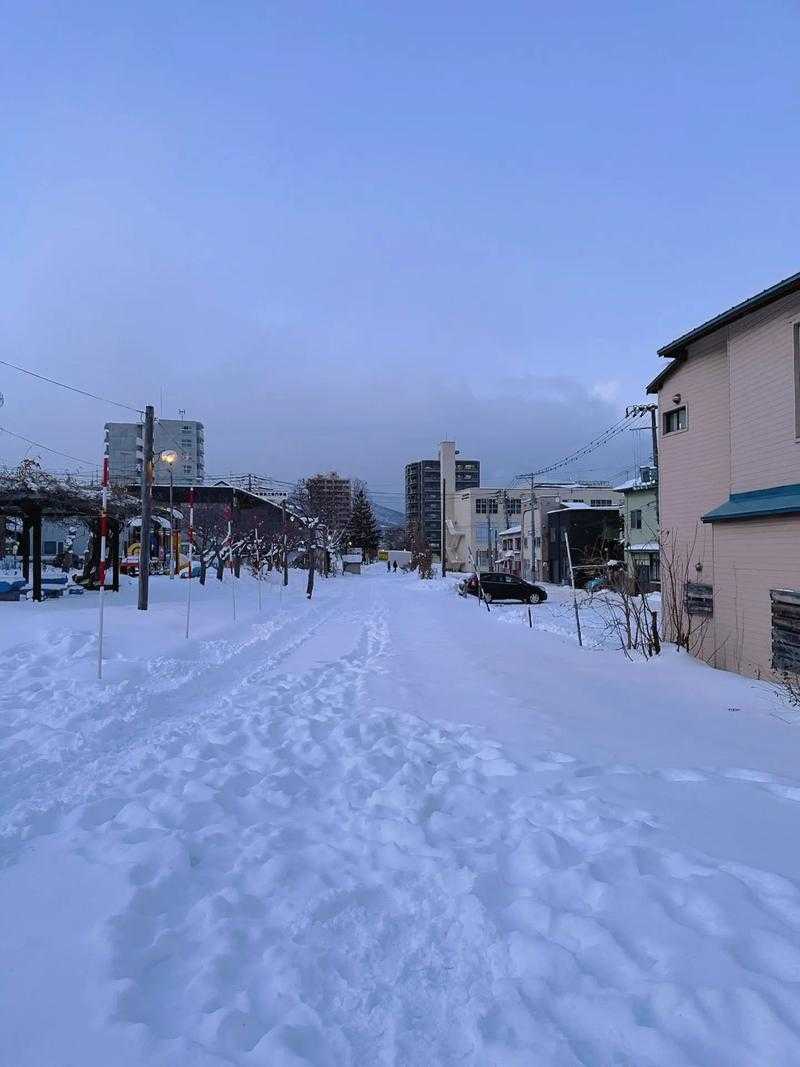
<point x="468" y="536"/>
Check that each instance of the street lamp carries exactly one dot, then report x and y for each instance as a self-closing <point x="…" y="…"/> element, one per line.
<point x="169" y="457"/>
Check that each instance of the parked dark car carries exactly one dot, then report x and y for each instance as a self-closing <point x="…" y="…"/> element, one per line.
<point x="497" y="586"/>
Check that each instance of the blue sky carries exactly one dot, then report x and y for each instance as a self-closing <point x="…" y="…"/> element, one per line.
<point x="337" y="232"/>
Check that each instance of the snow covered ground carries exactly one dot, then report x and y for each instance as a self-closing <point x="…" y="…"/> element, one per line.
<point x="386" y="827"/>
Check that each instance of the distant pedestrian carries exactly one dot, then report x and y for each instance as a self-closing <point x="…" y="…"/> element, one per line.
<point x="394" y="566"/>
<point x="388" y="566"/>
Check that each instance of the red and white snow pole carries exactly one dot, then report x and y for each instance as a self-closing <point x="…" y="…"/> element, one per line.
<point x="258" y="565"/>
<point x="230" y="559"/>
<point x="191" y="552"/>
<point x="101" y="570"/>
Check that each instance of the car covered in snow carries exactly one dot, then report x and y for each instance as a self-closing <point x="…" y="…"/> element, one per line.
<point x="494" y="585"/>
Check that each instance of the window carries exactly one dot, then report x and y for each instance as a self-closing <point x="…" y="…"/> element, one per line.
<point x="187" y="469"/>
<point x="602" y="502"/>
<point x="785" y="629"/>
<point x="514" y="507"/>
<point x="797" y="380"/>
<point x="485" y="505"/>
<point x="698" y="599"/>
<point x="49" y="548"/>
<point x="636" y="518"/>
<point x="675" y="420"/>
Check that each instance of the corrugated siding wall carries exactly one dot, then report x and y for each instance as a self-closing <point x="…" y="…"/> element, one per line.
<point x="761" y="351"/>
<point x="751" y="558"/>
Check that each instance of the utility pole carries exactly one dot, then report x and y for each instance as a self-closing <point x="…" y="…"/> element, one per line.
<point x="285" y="550"/>
<point x="642" y="409"/>
<point x="533" y="526"/>
<point x="574" y="594"/>
<point x="444" y="527"/>
<point x="147" y="500"/>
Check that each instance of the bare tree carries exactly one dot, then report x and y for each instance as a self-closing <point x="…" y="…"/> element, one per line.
<point x="683" y="622"/>
<point x="626" y="612"/>
<point x="210" y="536"/>
<point x="313" y="530"/>
<point x="421" y="555"/>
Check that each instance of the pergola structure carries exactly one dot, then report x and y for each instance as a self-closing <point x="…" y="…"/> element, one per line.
<point x="31" y="494"/>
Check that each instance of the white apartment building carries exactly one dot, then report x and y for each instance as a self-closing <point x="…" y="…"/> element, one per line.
<point x="475" y="519"/>
<point x="125" y="448"/>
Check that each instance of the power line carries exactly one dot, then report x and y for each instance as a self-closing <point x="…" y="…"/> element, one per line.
<point x="38" y="444"/>
<point x="592" y="446"/>
<point x="72" y="388"/>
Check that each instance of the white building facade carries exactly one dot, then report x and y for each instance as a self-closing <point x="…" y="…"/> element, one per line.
<point x="125" y="448"/>
<point x="474" y="525"/>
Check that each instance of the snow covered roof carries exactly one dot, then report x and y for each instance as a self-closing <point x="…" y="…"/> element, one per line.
<point x="633" y="484"/>
<point x="157" y="519"/>
<point x="648" y="546"/>
<point x="510" y="531"/>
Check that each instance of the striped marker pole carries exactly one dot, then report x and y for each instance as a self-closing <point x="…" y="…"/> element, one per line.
<point x="191" y="555"/>
<point x="230" y="560"/>
<point x="101" y="571"/>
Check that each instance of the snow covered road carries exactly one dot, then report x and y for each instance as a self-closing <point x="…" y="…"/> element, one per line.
<point x="386" y="827"/>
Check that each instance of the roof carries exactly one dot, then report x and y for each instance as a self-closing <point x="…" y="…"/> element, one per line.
<point x="510" y="531"/>
<point x="219" y="493"/>
<point x="29" y="490"/>
<point x="648" y="546"/>
<point x="676" y="350"/>
<point x="635" y="484"/>
<point x="747" y="307"/>
<point x="779" y="500"/>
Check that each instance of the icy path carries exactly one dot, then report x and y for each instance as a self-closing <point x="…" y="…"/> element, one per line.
<point x="283" y="848"/>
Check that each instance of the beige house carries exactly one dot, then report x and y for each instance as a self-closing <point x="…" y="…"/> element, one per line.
<point x="729" y="480"/>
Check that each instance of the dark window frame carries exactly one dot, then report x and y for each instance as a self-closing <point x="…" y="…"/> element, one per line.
<point x="676" y="412"/>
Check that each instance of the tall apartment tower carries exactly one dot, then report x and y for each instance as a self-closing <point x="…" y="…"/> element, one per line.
<point x="424" y="489"/>
<point x="332" y="497"/>
<point x="125" y="447"/>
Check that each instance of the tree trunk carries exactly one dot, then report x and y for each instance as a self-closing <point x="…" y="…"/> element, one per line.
<point x="202" y="568"/>
<point x="312" y="559"/>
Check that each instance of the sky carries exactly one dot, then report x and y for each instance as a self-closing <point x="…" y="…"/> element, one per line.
<point x="337" y="233"/>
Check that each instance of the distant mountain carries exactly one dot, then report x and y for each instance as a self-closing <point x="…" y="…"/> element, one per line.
<point x="388" y="517"/>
